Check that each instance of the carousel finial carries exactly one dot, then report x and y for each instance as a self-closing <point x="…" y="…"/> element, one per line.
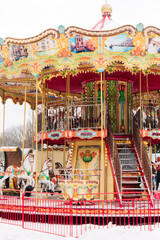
<point x="106" y="9"/>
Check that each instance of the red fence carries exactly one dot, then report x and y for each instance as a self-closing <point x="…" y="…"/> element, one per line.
<point x="70" y="218"/>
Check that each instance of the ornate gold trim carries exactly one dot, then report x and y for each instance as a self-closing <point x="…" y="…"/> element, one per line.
<point x="34" y="39"/>
<point x="148" y="30"/>
<point x="92" y="33"/>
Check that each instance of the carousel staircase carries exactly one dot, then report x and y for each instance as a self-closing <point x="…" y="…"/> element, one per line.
<point x="133" y="180"/>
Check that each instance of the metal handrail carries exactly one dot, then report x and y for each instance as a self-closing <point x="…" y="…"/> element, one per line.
<point x="79" y="114"/>
<point x="142" y="153"/>
<point x="114" y="155"/>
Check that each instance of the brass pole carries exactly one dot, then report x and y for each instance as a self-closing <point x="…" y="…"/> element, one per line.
<point x="24" y="119"/>
<point x="36" y="138"/>
<point x="64" y="154"/>
<point x="42" y="126"/>
<point x="47" y="150"/>
<point x="44" y="120"/>
<point x="104" y="104"/>
<point x="140" y="79"/>
<point x="53" y="163"/>
<point x="32" y="128"/>
<point x="101" y="121"/>
<point x="155" y="151"/>
<point x="3" y="123"/>
<point x="150" y="151"/>
<point x="3" y="128"/>
<point x="147" y="86"/>
<point x="68" y="95"/>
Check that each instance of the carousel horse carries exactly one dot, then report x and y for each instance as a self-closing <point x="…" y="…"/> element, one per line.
<point x="22" y="174"/>
<point x="44" y="178"/>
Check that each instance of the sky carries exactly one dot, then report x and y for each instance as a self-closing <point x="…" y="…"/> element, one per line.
<point x="22" y="19"/>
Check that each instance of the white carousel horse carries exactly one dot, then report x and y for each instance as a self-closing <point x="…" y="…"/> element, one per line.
<point x="21" y="173"/>
<point x="44" y="178"/>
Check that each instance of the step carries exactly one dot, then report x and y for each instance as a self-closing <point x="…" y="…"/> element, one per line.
<point x="118" y="143"/>
<point x="135" y="189"/>
<point x="131" y="171"/>
<point x="125" y="149"/>
<point x="128" y="159"/>
<point x="129" y="164"/>
<point x="127" y="153"/>
<point x="127" y="176"/>
<point x="131" y="182"/>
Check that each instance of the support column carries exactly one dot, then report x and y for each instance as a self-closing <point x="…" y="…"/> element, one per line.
<point x="32" y="129"/>
<point x="42" y="127"/>
<point x="150" y="149"/>
<point x="140" y="96"/>
<point x="68" y="98"/>
<point x="53" y="161"/>
<point x="155" y="151"/>
<point x="36" y="137"/>
<point x="64" y="154"/>
<point x="104" y="86"/>
<point x="102" y="143"/>
<point x="140" y="115"/>
<point x="47" y="150"/>
<point x="3" y="127"/>
<point x="24" y="120"/>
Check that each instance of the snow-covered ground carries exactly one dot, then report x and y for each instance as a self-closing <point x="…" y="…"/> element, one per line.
<point x="8" y="232"/>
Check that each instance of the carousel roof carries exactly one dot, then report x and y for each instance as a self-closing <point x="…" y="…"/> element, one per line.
<point x="51" y="56"/>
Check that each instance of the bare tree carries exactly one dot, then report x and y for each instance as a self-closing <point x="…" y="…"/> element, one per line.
<point x="13" y="136"/>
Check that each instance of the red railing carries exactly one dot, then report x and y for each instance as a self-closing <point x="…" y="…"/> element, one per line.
<point x="65" y="217"/>
<point x="142" y="155"/>
<point x="116" y="165"/>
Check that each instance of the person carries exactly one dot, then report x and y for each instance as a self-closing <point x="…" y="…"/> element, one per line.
<point x="157" y="166"/>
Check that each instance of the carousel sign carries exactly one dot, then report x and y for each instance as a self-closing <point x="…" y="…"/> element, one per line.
<point x="55" y="135"/>
<point x="89" y="134"/>
<point x="154" y="134"/>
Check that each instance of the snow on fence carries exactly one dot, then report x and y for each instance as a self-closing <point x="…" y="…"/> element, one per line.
<point x="55" y="215"/>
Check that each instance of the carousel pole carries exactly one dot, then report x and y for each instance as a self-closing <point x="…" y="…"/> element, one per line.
<point x="147" y="86"/>
<point x="47" y="150"/>
<point x="47" y="120"/>
<point x="68" y="94"/>
<point x="101" y="120"/>
<point x="42" y="126"/>
<point x="32" y="129"/>
<point x="68" y="124"/>
<point x="104" y="104"/>
<point x="53" y="163"/>
<point x="24" y="119"/>
<point x="36" y="138"/>
<point x="4" y="104"/>
<point x="140" y="117"/>
<point x="155" y="150"/>
<point x="64" y="154"/>
<point x="150" y="148"/>
<point x="140" y="88"/>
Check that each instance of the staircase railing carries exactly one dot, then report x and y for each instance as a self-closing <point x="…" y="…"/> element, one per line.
<point x="142" y="153"/>
<point x="114" y="156"/>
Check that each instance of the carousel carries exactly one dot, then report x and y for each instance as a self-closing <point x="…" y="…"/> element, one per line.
<point x="95" y="94"/>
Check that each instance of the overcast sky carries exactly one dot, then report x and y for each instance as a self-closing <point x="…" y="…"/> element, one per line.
<point x="21" y="19"/>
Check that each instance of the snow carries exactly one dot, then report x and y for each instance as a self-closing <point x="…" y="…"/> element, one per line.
<point x="9" y="232"/>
